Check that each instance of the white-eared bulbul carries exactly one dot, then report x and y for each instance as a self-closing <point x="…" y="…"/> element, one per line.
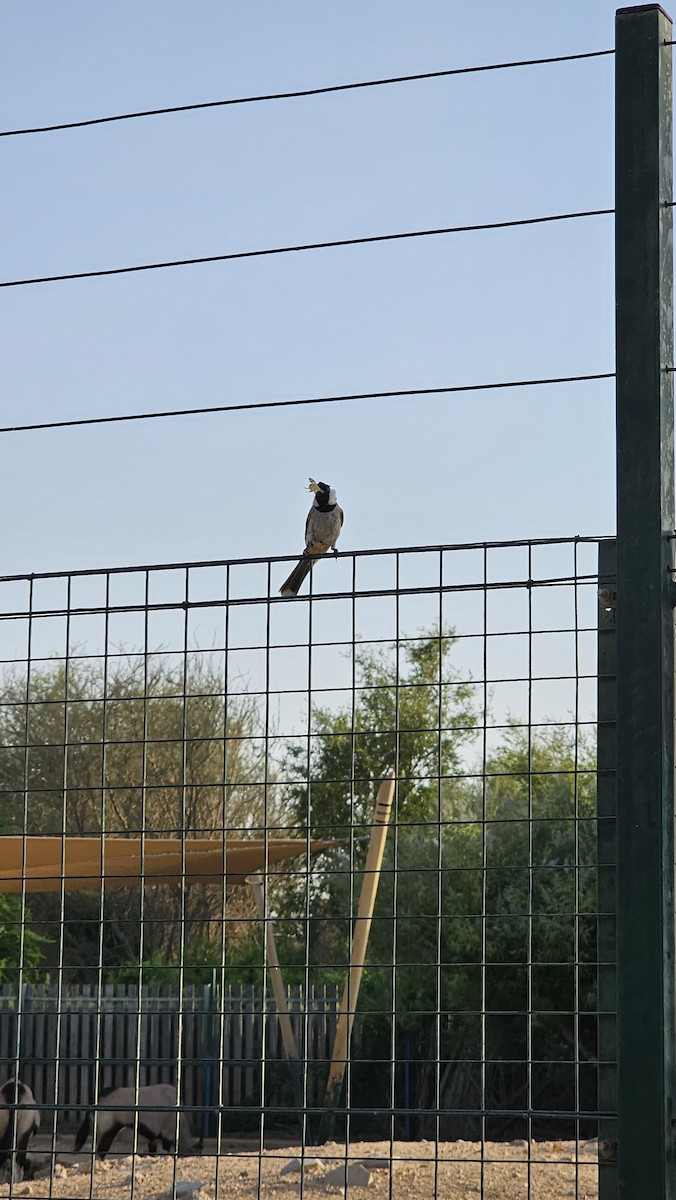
<point x="322" y="530"/>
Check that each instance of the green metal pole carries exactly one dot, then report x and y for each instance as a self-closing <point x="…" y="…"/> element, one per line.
<point x="645" y="632"/>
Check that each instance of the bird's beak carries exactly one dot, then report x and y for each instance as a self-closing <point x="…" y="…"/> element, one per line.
<point x="313" y="486"/>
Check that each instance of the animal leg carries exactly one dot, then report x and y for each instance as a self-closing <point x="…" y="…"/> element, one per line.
<point x="106" y="1140"/>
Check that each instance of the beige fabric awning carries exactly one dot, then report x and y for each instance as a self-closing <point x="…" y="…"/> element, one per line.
<point x="37" y="864"/>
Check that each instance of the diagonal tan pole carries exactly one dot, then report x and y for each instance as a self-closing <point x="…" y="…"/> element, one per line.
<point x="255" y="882"/>
<point x="257" y="885"/>
<point x="360" y="937"/>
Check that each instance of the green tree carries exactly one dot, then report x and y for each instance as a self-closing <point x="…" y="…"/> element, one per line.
<point x="412" y="713"/>
<point x="493" y="934"/>
<point x="483" y="940"/>
<point x="17" y="952"/>
<point x="152" y="747"/>
<point x="541" y="903"/>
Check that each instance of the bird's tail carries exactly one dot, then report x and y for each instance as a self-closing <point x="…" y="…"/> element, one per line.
<point x="292" y="585"/>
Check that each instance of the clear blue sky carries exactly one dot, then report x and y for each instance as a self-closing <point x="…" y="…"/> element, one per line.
<point x="505" y="304"/>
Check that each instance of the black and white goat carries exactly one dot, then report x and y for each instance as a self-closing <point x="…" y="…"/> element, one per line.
<point x="19" y="1120"/>
<point x="158" y="1116"/>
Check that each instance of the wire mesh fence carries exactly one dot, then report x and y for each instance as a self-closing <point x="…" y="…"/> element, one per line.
<point x="152" y="718"/>
<point x="322" y="893"/>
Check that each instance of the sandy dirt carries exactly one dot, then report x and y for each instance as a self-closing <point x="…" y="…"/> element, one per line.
<point x="401" y="1171"/>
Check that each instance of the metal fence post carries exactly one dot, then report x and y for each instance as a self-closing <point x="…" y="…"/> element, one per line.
<point x="606" y="842"/>
<point x="645" y="639"/>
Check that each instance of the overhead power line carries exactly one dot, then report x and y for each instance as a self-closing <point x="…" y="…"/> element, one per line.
<point x="329" y="245"/>
<point x="260" y="404"/>
<point x="299" y="93"/>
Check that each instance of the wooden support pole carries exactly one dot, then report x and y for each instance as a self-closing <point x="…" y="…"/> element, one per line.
<point x="360" y="937"/>
<point x="257" y="885"/>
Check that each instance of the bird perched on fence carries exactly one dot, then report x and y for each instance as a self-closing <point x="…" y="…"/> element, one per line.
<point x="322" y="530"/>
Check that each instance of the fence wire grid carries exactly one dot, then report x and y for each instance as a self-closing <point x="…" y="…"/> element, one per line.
<point x="189" y="702"/>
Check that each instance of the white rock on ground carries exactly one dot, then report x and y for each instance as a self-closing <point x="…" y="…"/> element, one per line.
<point x="304" y="1165"/>
<point x="352" y="1175"/>
<point x="185" y="1188"/>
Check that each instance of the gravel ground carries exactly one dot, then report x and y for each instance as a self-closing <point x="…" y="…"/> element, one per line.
<point x="403" y="1171"/>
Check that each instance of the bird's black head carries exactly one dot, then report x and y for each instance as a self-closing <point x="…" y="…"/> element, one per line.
<point x="325" y="497"/>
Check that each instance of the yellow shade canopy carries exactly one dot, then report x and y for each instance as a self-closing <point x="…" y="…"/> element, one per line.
<point x="45" y="864"/>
